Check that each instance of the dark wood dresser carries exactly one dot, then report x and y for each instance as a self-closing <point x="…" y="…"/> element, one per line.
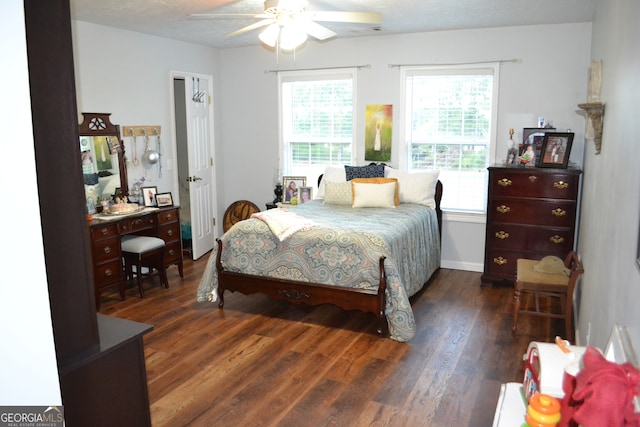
<point x="105" y="243"/>
<point x="531" y="213"/>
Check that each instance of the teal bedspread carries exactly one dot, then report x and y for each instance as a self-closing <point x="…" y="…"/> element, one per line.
<point x="342" y="250"/>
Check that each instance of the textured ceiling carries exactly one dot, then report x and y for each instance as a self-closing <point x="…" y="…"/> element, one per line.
<point x="170" y="18"/>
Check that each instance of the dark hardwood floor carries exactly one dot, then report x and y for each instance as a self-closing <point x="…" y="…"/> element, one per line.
<point x="260" y="362"/>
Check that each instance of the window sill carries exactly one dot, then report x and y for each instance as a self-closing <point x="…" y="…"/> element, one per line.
<point x="466" y="217"/>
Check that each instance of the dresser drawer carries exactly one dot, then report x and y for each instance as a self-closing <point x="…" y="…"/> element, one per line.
<point x="502" y="262"/>
<point x="131" y="225"/>
<point x="168" y="216"/>
<point x="529" y="238"/>
<point x="104" y="231"/>
<point x="106" y="249"/>
<point x="551" y="213"/>
<point x="169" y="232"/>
<point x="173" y="252"/>
<point x="108" y="272"/>
<point x="536" y="185"/>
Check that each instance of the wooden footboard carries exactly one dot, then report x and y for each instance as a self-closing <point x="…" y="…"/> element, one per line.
<point x="306" y="292"/>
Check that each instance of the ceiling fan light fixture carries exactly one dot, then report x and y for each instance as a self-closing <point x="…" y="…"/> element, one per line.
<point x="291" y="36"/>
<point x="269" y="35"/>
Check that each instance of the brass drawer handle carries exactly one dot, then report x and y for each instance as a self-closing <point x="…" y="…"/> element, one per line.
<point x="504" y="182"/>
<point x="560" y="185"/>
<point x="556" y="239"/>
<point x="137" y="221"/>
<point x="500" y="260"/>
<point x="171" y="252"/>
<point x="108" y="272"/>
<point x="503" y="209"/>
<point x="107" y="249"/>
<point x="169" y="217"/>
<point x="104" y="231"/>
<point x="533" y="178"/>
<point x="170" y="233"/>
<point x="558" y="212"/>
<point x="502" y="235"/>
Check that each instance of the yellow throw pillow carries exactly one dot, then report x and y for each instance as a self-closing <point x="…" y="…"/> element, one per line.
<point x="396" y="196"/>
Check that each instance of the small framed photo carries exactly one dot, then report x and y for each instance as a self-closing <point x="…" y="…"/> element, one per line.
<point x="149" y="196"/>
<point x="556" y="148"/>
<point x="164" y="199"/>
<point x="534" y="137"/>
<point x="306" y="194"/>
<point x="291" y="186"/>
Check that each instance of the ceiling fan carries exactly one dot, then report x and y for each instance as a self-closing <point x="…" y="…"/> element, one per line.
<point x="288" y="22"/>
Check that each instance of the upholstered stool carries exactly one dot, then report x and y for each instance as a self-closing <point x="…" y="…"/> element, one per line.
<point x="559" y="283"/>
<point x="143" y="251"/>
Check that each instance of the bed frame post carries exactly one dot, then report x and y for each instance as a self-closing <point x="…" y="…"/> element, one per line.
<point x="220" y="269"/>
<point x="383" y="326"/>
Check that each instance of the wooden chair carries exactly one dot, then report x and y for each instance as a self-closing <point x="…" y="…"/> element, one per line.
<point x="236" y="212"/>
<point x="554" y="285"/>
<point x="144" y="251"/>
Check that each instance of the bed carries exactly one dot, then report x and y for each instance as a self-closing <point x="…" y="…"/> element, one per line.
<point x="353" y="258"/>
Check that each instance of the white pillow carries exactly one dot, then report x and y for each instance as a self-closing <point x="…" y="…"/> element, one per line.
<point x="374" y="195"/>
<point x="338" y="193"/>
<point x="333" y="174"/>
<point x="416" y="187"/>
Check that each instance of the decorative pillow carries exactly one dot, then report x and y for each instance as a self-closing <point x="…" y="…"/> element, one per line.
<point x="374" y="195"/>
<point x="371" y="171"/>
<point x="553" y="265"/>
<point x="333" y="174"/>
<point x="338" y="193"/>
<point x="396" y="196"/>
<point x="416" y="187"/>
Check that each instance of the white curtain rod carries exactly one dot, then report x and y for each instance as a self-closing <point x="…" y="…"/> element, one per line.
<point x="514" y="60"/>
<point x="318" y="69"/>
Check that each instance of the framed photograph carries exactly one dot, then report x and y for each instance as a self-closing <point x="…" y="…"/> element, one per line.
<point x="306" y="194"/>
<point x="149" y="196"/>
<point x="164" y="199"/>
<point x="556" y="148"/>
<point x="291" y="187"/>
<point x="534" y="137"/>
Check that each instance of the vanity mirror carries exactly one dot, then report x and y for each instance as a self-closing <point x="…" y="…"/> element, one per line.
<point x="103" y="161"/>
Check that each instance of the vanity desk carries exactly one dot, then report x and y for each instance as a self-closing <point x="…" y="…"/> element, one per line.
<point x="106" y="231"/>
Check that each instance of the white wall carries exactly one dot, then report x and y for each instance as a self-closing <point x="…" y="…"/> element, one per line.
<point x="611" y="194"/>
<point x="28" y="366"/>
<point x="127" y="74"/>
<point x="549" y="80"/>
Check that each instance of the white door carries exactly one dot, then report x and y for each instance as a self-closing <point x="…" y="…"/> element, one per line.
<point x="201" y="163"/>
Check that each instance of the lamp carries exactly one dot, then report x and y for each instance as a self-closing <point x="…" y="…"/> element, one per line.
<point x="288" y="36"/>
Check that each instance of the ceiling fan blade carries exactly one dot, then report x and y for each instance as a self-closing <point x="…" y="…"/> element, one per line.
<point x="224" y="15"/>
<point x="253" y="26"/>
<point x="355" y="17"/>
<point x="318" y="31"/>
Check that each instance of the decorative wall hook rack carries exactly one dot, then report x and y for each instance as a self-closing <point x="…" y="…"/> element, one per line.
<point x="595" y="112"/>
<point x="141" y="130"/>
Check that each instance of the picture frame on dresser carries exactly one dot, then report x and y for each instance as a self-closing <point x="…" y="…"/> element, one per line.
<point x="149" y="196"/>
<point x="535" y="137"/>
<point x="556" y="148"/>
<point x="164" y="200"/>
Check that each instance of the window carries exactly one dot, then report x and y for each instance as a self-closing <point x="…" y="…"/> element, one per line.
<point x="317" y="118"/>
<point x="449" y="122"/>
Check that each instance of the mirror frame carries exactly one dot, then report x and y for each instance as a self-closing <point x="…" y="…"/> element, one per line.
<point x="99" y="124"/>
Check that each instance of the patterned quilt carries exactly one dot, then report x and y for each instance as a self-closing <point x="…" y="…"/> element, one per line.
<point x="342" y="250"/>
